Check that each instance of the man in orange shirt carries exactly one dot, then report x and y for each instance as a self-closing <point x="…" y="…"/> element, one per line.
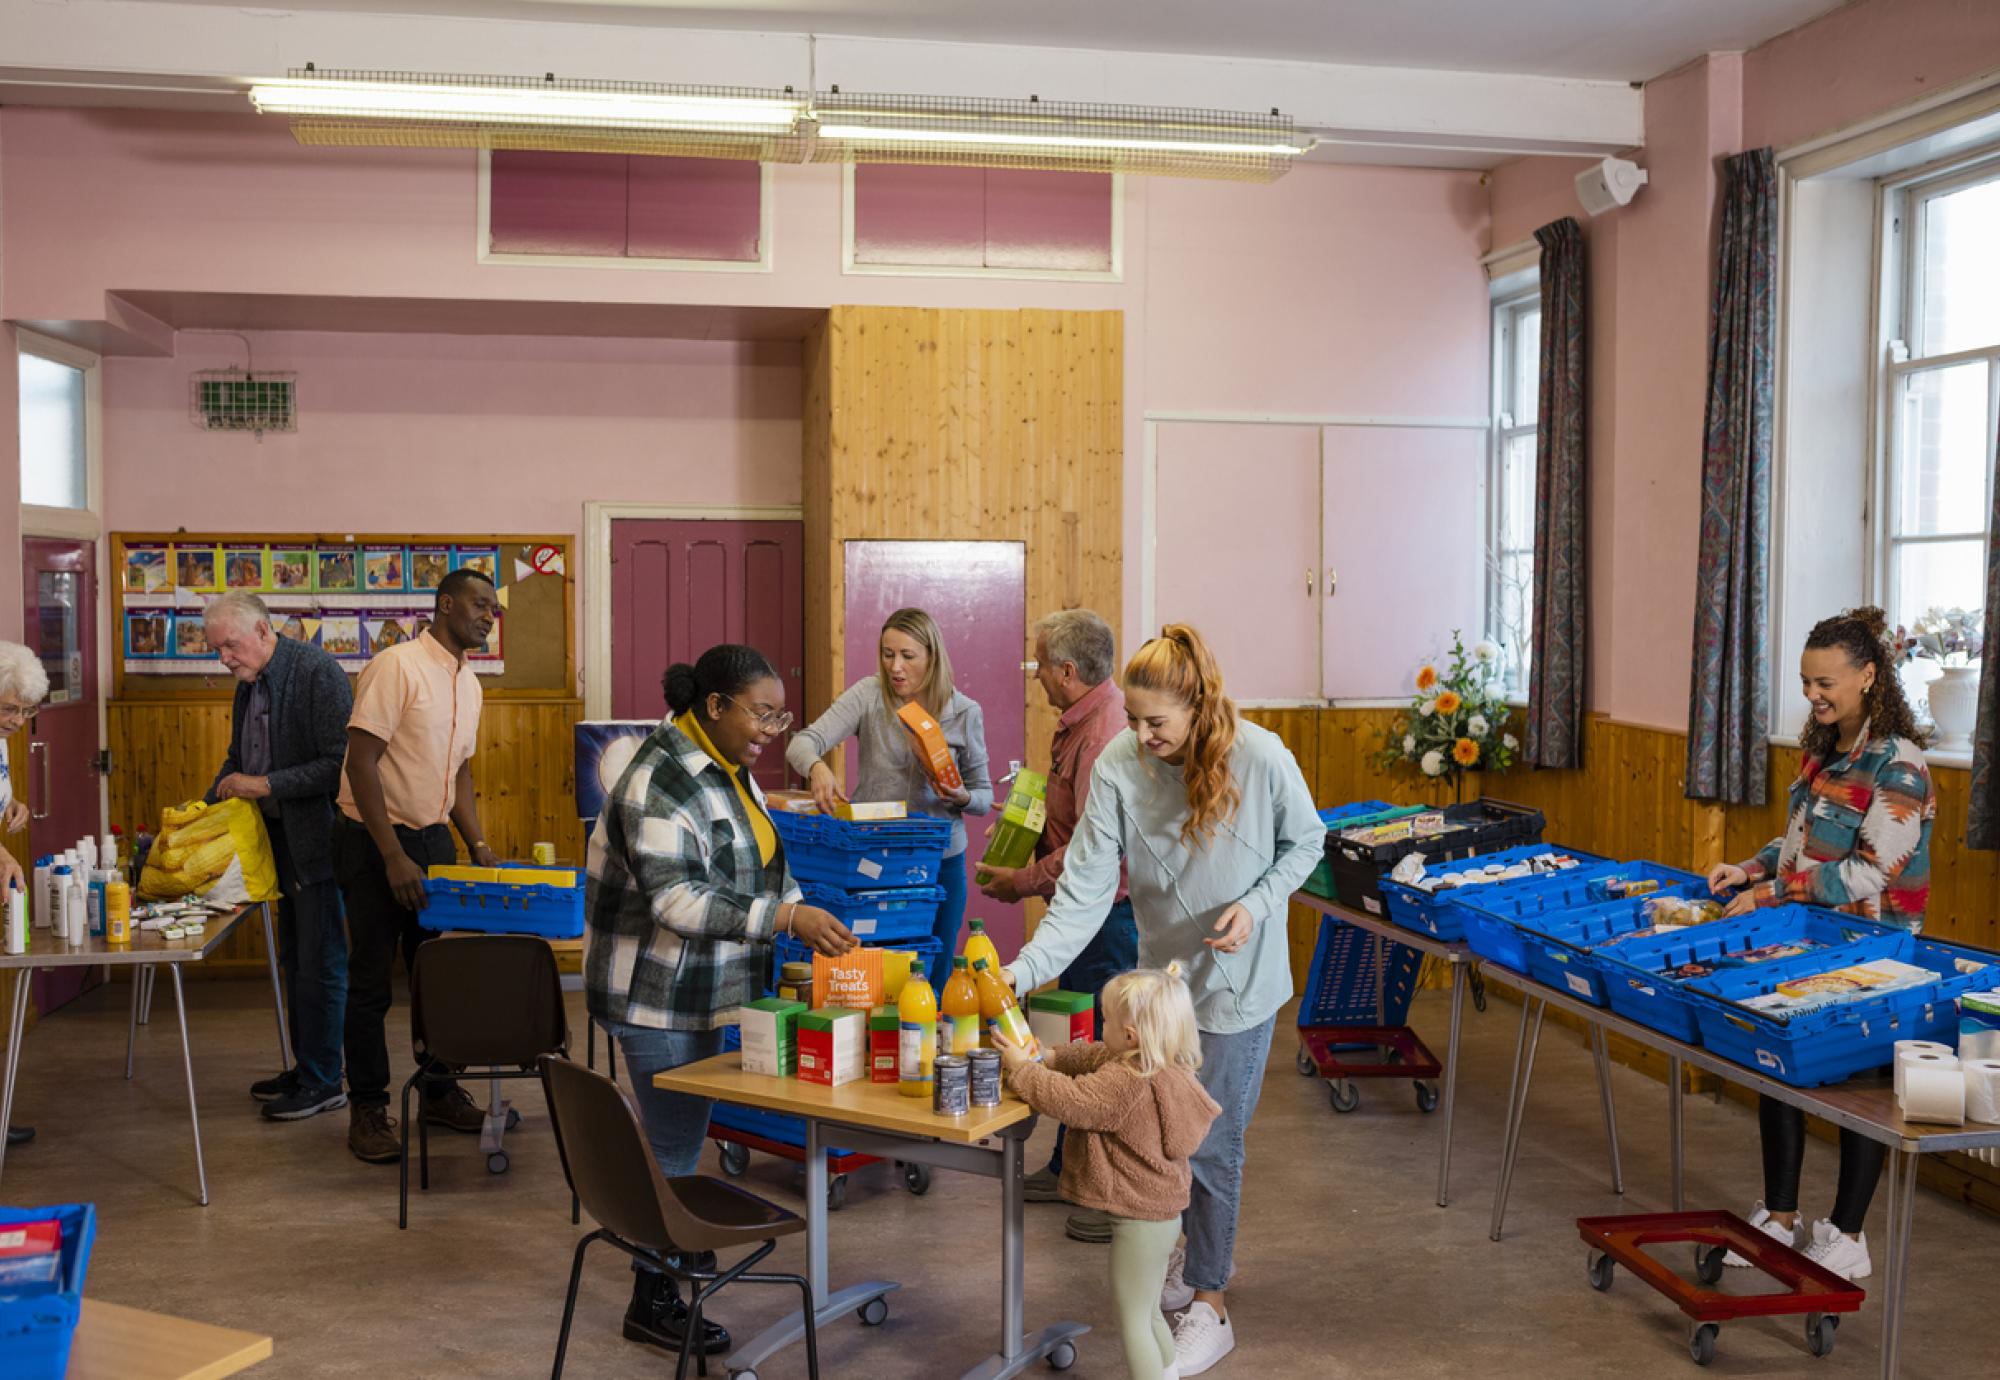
<point x="407" y="779"/>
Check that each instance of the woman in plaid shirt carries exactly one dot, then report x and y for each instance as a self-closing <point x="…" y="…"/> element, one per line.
<point x="1857" y="838"/>
<point x="687" y="884"/>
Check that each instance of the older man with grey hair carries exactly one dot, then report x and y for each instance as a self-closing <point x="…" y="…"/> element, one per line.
<point x="1075" y="658"/>
<point x="287" y="740"/>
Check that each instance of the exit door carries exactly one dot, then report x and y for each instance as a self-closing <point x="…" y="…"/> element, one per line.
<point x="60" y="779"/>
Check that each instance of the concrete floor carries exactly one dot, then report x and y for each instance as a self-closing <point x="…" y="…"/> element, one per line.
<point x="1346" y="1266"/>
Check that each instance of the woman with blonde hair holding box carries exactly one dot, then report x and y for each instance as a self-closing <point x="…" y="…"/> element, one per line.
<point x="912" y="667"/>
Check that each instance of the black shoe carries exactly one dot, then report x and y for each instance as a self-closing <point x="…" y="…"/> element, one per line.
<point x="658" y="1315"/>
<point x="20" y="1135"/>
<point x="284" y="1085"/>
<point x="307" y="1100"/>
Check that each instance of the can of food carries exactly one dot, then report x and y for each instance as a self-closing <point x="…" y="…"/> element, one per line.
<point x="951" y="1086"/>
<point x="985" y="1077"/>
<point x="545" y="854"/>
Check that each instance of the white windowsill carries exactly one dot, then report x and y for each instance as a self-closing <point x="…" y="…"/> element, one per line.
<point x="1931" y="755"/>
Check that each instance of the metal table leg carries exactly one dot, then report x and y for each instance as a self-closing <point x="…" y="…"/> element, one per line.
<point x="16" y="1025"/>
<point x="1902" y="1221"/>
<point x="187" y="1063"/>
<point x="1524" y="1074"/>
<point x="1017" y="1353"/>
<point x="277" y="991"/>
<point x="132" y="1023"/>
<point x="1602" y="1054"/>
<point x="1676" y="1149"/>
<point x="149" y="972"/>
<point x="1450" y="1082"/>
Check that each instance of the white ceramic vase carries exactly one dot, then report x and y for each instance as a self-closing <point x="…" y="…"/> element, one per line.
<point x="1954" y="697"/>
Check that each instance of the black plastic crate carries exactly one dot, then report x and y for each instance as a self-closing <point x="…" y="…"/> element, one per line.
<point x="1480" y="826"/>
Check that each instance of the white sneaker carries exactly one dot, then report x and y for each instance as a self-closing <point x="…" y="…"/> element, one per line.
<point x="1176" y="1294"/>
<point x="1171" y="1373"/>
<point x="1200" y="1340"/>
<point x="1832" y="1249"/>
<point x="1763" y="1221"/>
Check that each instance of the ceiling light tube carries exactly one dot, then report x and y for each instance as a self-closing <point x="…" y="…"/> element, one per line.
<point x="525" y="105"/>
<point x="871" y="134"/>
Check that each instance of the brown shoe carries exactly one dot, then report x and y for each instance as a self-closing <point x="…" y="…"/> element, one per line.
<point x="455" y="1110"/>
<point x="371" y="1135"/>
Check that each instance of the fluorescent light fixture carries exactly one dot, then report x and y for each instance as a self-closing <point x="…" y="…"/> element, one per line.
<point x="526" y="105"/>
<point x="1137" y="143"/>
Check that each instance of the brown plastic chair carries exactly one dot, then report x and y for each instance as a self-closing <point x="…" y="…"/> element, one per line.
<point x="483" y="1005"/>
<point x="659" y="1221"/>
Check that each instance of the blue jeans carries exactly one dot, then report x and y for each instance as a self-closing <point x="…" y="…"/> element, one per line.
<point x="312" y="959"/>
<point x="676" y="1123"/>
<point x="1232" y="1070"/>
<point x="1114" y="949"/>
<point x="949" y="917"/>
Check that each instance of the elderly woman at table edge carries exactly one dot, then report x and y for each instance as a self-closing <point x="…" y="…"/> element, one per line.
<point x="23" y="686"/>
<point x="687" y="886"/>
<point x="1216" y="828"/>
<point x="1857" y="838"/>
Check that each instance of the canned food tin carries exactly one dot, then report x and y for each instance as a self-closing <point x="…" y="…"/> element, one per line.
<point x="985" y="1077"/>
<point x="545" y="854"/>
<point x="951" y="1088"/>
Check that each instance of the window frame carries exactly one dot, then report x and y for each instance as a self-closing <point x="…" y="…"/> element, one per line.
<point x="1513" y="297"/>
<point x="85" y="523"/>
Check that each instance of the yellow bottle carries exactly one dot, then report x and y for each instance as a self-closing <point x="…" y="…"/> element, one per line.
<point x="959" y="1020"/>
<point x="978" y="946"/>
<point x="916" y="1011"/>
<point x="1001" y="1012"/>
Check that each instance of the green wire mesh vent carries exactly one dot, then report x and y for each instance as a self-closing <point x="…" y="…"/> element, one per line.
<point x="242" y="400"/>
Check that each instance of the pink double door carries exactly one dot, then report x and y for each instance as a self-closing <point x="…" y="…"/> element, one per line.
<point x="680" y="587"/>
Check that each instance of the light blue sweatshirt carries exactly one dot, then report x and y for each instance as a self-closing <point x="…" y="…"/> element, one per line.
<point x="1263" y="854"/>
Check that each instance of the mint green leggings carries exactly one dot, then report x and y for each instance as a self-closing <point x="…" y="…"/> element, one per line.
<point x="1139" y="1252"/>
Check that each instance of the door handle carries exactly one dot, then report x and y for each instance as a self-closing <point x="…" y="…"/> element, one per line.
<point x="41" y="780"/>
<point x="1309" y="582"/>
<point x="1332" y="581"/>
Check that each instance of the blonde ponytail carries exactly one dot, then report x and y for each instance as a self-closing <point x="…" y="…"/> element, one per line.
<point x="1178" y="663"/>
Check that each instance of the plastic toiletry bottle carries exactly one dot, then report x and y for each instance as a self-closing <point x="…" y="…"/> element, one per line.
<point x="1001" y="1012"/>
<point x="958" y="1019"/>
<point x="94" y="903"/>
<point x="43" y="917"/>
<point x="59" y="899"/>
<point x="17" y="919"/>
<point x="107" y="851"/>
<point x="79" y="908"/>
<point x="978" y="946"/>
<point x="86" y="852"/>
<point x="916" y="1014"/>
<point x="117" y="912"/>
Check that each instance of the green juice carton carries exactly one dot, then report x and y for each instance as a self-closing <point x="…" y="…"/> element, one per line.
<point x="1020" y="826"/>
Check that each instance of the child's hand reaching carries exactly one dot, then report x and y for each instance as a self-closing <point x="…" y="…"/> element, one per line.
<point x="1012" y="1056"/>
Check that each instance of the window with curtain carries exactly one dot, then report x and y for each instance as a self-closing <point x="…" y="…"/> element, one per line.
<point x="54" y="453"/>
<point x="1510" y="488"/>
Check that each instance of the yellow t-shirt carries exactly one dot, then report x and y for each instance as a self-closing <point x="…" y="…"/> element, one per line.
<point x="760" y="823"/>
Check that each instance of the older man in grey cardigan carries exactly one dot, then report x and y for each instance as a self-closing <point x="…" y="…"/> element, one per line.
<point x="287" y="739"/>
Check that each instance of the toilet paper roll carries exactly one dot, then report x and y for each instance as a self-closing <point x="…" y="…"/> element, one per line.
<point x="1982" y="1089"/>
<point x="1914" y="1047"/>
<point x="1933" y="1092"/>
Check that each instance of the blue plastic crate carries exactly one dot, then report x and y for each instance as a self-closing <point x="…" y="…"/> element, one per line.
<point x="1635" y="972"/>
<point x="785" y="949"/>
<point x="553" y="912"/>
<point x="755" y="1121"/>
<point x="1340" y="985"/>
<point x="36" y="1329"/>
<point x="1531" y="897"/>
<point x="1834" y="1042"/>
<point x="1437" y="912"/>
<point x="863" y="857"/>
<point x="1559" y="942"/>
<point x="880" y="917"/>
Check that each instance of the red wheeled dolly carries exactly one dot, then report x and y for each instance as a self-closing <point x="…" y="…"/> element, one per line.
<point x="1389" y="1051"/>
<point x="1806" y="1288"/>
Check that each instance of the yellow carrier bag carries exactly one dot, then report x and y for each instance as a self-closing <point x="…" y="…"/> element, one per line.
<point x="218" y="852"/>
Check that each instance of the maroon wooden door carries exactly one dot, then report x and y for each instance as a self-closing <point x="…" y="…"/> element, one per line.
<point x="60" y="779"/>
<point x="680" y="587"/>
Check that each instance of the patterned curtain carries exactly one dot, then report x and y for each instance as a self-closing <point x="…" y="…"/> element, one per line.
<point x="1730" y="696"/>
<point x="1555" y="675"/>
<point x="1982" y="821"/>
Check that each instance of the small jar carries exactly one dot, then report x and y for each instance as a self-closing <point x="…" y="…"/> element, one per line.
<point x="795" y="982"/>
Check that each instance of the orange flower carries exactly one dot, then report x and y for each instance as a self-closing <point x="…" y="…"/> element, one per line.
<point x="1427" y="677"/>
<point x="1465" y="752"/>
<point x="1448" y="702"/>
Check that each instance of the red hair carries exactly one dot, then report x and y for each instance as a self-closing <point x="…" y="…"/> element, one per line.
<point x="1178" y="664"/>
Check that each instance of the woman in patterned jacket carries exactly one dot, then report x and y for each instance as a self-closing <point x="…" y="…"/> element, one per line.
<point x="1857" y="838"/>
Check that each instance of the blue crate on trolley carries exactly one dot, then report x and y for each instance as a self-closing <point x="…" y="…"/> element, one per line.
<point x="880" y="917"/>
<point x="1838" y="1041"/>
<point x="541" y="906"/>
<point x="1341" y="983"/>
<point x="1437" y="913"/>
<point x="870" y="856"/>
<point x="38" y="1322"/>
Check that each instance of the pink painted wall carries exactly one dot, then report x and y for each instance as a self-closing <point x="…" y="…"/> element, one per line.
<point x="10" y="447"/>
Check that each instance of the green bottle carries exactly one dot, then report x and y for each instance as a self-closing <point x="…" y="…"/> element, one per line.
<point x="1020" y="827"/>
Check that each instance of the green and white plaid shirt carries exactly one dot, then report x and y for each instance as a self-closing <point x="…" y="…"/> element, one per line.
<point x="680" y="907"/>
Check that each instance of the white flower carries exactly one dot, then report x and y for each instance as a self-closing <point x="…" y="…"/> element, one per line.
<point x="1427" y="708"/>
<point x="1511" y="741"/>
<point x="1484" y="651"/>
<point x="1409" y="744"/>
<point x="1433" y="763"/>
<point x="1477" y="726"/>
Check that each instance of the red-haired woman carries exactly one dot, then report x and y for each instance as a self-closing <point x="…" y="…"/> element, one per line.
<point x="1216" y="828"/>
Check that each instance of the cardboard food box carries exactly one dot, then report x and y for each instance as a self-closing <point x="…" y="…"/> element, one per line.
<point x="854" y="979"/>
<point x="771" y="1036"/>
<point x="933" y="752"/>
<point x="791" y="802"/>
<point x="833" y="1044"/>
<point x="885" y="1033"/>
<point x="871" y="811"/>
<point x="30" y="1256"/>
<point x="1062" y="1018"/>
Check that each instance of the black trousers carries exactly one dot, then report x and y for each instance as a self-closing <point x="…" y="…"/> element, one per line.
<point x="1861" y="1160"/>
<point x="377" y="926"/>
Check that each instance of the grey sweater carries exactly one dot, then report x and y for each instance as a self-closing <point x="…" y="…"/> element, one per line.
<point x="889" y="766"/>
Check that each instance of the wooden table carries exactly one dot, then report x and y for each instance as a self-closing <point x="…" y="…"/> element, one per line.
<point x="144" y="955"/>
<point x="114" y="1342"/>
<point x="875" y="1119"/>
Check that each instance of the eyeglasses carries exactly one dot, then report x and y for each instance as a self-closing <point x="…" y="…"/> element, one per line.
<point x="16" y="711"/>
<point x="771" y="721"/>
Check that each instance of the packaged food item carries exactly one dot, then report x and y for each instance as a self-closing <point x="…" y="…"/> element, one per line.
<point x="1020" y="826"/>
<point x="933" y="752"/>
<point x="869" y="811"/>
<point x="951" y="1092"/>
<point x="30" y="1257"/>
<point x="985" y="1077"/>
<point x="832" y="1046"/>
<point x="885" y="1045"/>
<point x="1062" y="1018"/>
<point x="897" y="965"/>
<point x="1679" y="912"/>
<point x="791" y="802"/>
<point x="1000" y="1011"/>
<point x="795" y="983"/>
<point x="958" y="1011"/>
<point x="854" y="979"/>
<point x="916" y="1010"/>
<point x="770" y="1036"/>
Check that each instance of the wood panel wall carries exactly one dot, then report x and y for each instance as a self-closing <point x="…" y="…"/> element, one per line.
<point x="167" y="752"/>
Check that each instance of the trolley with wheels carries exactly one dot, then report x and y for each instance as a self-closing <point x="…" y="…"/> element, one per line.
<point x="737" y="1131"/>
<point x="1806" y="1288"/>
<point x="1357" y="996"/>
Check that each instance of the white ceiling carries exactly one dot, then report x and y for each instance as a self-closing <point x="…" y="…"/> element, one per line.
<point x="1628" y="40"/>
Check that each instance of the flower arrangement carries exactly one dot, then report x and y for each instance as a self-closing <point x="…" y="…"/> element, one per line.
<point x="1457" y="719"/>
<point x="1950" y="637"/>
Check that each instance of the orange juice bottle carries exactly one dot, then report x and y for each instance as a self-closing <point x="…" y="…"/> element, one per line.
<point x="916" y="1011"/>
<point x="978" y="946"/>
<point x="959" y="1023"/>
<point x="1002" y="1013"/>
